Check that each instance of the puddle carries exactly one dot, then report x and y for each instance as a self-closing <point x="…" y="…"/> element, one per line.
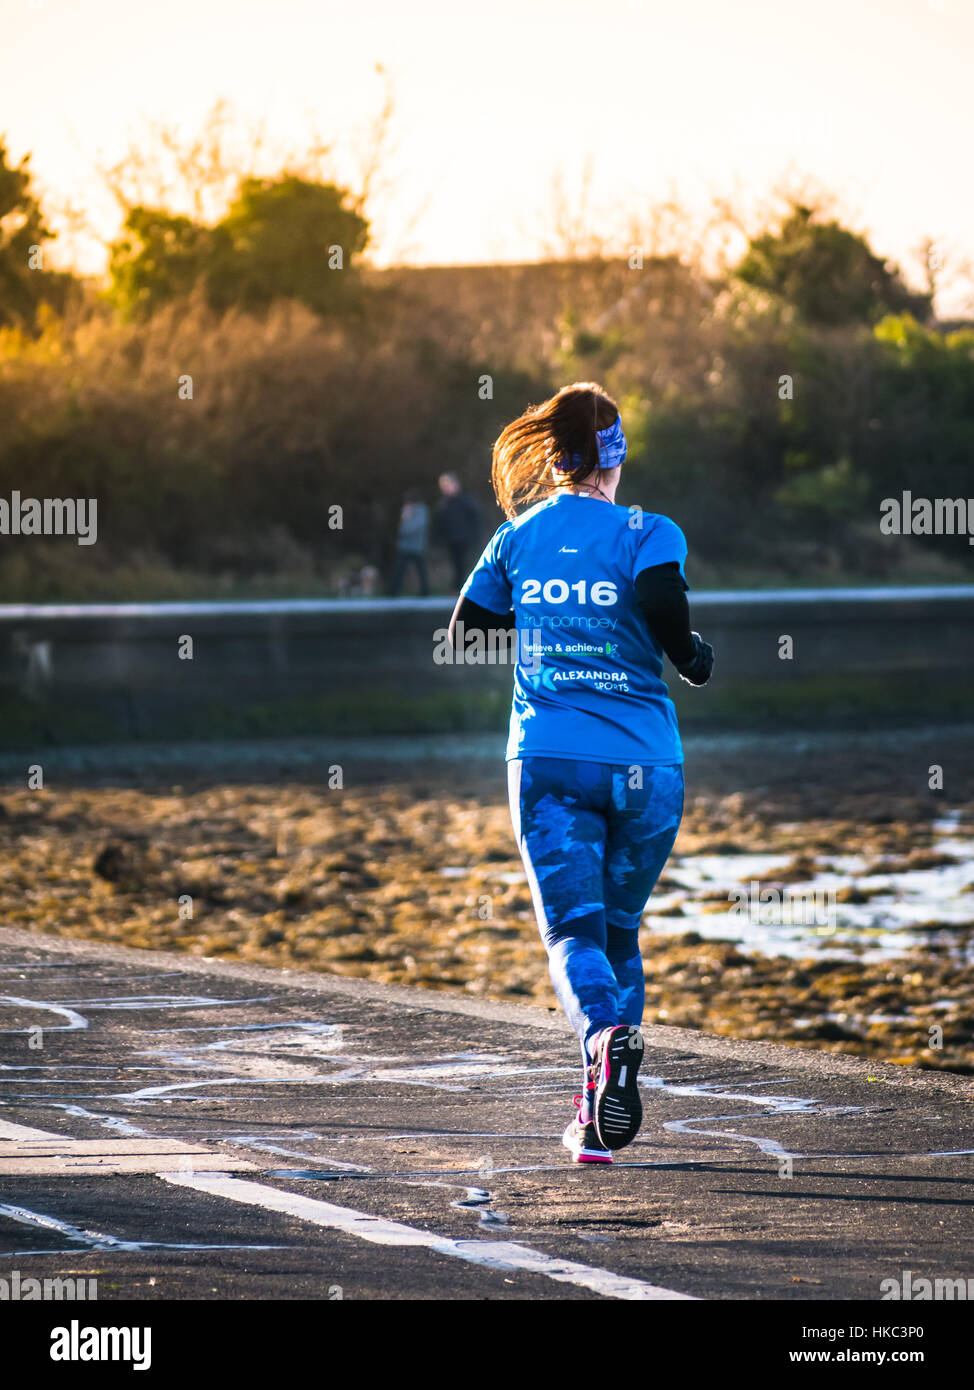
<point x="905" y="911"/>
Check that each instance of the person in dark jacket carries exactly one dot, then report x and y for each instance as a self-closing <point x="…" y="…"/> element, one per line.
<point x="457" y="525"/>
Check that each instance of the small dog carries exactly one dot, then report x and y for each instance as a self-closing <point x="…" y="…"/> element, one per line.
<point x="361" y="583"/>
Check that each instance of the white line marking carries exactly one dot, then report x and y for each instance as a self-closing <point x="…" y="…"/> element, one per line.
<point x="455" y="1069"/>
<point x="26" y="1152"/>
<point x="161" y="1001"/>
<point x="149" y="1092"/>
<point x="19" y="1133"/>
<point x="312" y="1160"/>
<point x="97" y="1240"/>
<point x="75" y="1020"/>
<point x="502" y="1255"/>
<point x="112" y="1122"/>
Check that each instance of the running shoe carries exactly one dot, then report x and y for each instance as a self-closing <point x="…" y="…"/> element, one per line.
<point x="618" y="1111"/>
<point x="581" y="1137"/>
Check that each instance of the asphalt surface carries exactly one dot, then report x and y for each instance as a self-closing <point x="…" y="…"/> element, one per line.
<point x="188" y="1129"/>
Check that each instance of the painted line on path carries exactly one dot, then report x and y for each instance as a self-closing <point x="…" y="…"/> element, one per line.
<point x="489" y="1254"/>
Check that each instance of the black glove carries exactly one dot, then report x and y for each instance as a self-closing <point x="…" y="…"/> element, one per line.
<point x="697" y="671"/>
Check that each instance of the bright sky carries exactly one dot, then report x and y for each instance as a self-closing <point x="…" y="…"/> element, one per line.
<point x="870" y="98"/>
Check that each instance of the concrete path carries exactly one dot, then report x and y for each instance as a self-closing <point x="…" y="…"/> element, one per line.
<point x="185" y="1128"/>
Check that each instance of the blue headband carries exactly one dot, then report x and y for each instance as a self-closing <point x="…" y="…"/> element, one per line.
<point x="612" y="448"/>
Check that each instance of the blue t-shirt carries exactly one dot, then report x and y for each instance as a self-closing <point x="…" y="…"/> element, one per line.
<point x="588" y="678"/>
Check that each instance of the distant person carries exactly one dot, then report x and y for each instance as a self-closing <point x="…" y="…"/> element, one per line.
<point x="458" y="524"/>
<point x="594" y="756"/>
<point x="411" y="543"/>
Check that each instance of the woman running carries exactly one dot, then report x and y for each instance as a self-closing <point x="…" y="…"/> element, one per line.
<point x="595" y="594"/>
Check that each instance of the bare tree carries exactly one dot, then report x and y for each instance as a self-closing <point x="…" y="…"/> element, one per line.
<point x="374" y="147"/>
<point x="573" y="234"/>
<point x="946" y="274"/>
<point x="199" y="175"/>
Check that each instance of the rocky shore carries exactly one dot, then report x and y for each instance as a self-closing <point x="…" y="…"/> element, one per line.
<point x="416" y="880"/>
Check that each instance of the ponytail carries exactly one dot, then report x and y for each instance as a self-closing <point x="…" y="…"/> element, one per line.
<point x="553" y="445"/>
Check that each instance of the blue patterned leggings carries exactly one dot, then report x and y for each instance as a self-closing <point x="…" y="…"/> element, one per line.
<point x="594" y="838"/>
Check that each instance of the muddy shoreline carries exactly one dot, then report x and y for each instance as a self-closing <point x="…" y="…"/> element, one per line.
<point x="409" y="874"/>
